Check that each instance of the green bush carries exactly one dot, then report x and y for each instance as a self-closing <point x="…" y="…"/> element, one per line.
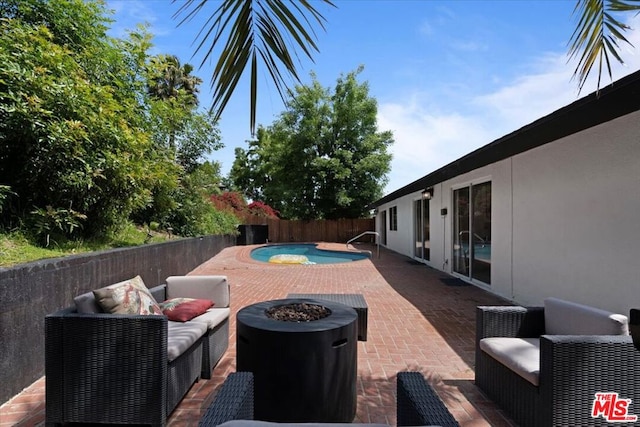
<point x="194" y="215"/>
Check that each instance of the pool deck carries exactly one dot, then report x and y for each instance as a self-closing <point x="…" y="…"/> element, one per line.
<point x="417" y="321"/>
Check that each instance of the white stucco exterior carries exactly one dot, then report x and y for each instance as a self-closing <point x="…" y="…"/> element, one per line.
<point x="564" y="219"/>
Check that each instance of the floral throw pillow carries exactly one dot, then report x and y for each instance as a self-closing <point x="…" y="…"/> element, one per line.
<point x="184" y="309"/>
<point x="128" y="297"/>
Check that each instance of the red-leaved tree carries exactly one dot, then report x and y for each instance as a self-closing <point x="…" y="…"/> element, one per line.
<point x="234" y="202"/>
<point x="262" y="209"/>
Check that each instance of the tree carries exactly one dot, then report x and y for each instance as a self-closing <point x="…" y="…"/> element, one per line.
<point x="69" y="25"/>
<point x="234" y="202"/>
<point x="185" y="135"/>
<point x="257" y="31"/>
<point x="174" y="98"/>
<point x="72" y="139"/>
<point x="597" y="35"/>
<point x="323" y="158"/>
<point x="168" y="79"/>
<point x="84" y="146"/>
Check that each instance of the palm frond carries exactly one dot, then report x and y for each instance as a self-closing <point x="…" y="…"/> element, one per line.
<point x="597" y="35"/>
<point x="267" y="33"/>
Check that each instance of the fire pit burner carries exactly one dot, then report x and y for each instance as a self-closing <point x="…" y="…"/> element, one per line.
<point x="298" y="312"/>
<point x="304" y="371"/>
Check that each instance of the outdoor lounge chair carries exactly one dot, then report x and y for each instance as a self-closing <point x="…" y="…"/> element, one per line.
<point x="559" y="388"/>
<point x="417" y="403"/>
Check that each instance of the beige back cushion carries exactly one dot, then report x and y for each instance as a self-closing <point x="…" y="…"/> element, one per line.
<point x="215" y="288"/>
<point x="569" y="318"/>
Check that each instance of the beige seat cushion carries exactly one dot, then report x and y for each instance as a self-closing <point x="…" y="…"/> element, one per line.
<point x="521" y="355"/>
<point x="569" y="318"/>
<point x="181" y="336"/>
<point x="213" y="317"/>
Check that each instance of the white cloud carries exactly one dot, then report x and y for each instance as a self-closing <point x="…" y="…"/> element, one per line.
<point x="427" y="138"/>
<point x="529" y="97"/>
<point x="550" y="86"/>
<point x="130" y="13"/>
<point x="426" y="29"/>
<point x="424" y="140"/>
<point x="469" y="46"/>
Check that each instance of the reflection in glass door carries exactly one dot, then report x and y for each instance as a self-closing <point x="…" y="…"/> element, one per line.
<point x="461" y="231"/>
<point x="421" y="228"/>
<point x="472" y="232"/>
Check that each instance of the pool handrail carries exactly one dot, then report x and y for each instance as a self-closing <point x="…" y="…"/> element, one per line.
<point x="363" y="234"/>
<point x="476" y="235"/>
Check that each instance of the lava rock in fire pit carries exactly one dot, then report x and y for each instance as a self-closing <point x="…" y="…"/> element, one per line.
<point x="298" y="312"/>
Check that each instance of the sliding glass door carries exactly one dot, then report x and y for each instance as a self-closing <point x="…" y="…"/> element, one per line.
<point x="472" y="232"/>
<point x="421" y="228"/>
<point x="461" y="231"/>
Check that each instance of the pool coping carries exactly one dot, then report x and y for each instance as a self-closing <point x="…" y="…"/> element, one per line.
<point x="244" y="255"/>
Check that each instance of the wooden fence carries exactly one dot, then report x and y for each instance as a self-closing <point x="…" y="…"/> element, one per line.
<point x="325" y="230"/>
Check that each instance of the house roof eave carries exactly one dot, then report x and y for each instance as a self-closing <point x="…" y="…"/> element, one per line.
<point x="616" y="100"/>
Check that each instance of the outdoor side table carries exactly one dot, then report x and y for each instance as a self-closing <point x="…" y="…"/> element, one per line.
<point x="355" y="301"/>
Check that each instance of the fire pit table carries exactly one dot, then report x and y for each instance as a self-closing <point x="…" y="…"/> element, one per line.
<point x="355" y="301"/>
<point x="304" y="371"/>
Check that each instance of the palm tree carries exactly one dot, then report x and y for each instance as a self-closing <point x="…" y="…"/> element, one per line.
<point x="597" y="35"/>
<point x="168" y="80"/>
<point x="257" y="31"/>
<point x="266" y="30"/>
<point x="168" y="77"/>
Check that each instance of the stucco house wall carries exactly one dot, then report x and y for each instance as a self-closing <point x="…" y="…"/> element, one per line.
<point x="441" y="227"/>
<point x="565" y="218"/>
<point x="576" y="218"/>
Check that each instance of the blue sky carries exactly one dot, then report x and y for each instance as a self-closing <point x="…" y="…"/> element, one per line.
<point x="449" y="76"/>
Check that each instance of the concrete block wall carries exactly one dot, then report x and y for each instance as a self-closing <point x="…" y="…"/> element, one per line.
<point x="30" y="291"/>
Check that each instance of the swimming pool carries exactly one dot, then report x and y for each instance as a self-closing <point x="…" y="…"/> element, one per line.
<point x="308" y="250"/>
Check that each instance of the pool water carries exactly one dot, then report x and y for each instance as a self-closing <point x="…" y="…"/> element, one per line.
<point x="481" y="251"/>
<point x="313" y="254"/>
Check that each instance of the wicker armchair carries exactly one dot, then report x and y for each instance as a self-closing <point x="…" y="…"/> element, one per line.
<point x="417" y="403"/>
<point x="573" y="368"/>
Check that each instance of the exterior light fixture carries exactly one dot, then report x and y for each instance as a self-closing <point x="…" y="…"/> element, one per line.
<point x="427" y="194"/>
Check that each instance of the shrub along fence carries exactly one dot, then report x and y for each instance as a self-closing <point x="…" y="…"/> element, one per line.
<point x="324" y="230"/>
<point x="30" y="291"/>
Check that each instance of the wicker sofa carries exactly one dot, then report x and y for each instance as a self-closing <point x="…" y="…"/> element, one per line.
<point x="544" y="365"/>
<point x="417" y="405"/>
<point x="131" y="369"/>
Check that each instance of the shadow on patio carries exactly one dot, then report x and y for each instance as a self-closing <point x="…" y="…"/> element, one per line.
<point x="439" y="332"/>
<point x="415" y="323"/>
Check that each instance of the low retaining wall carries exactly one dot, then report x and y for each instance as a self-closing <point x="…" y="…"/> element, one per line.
<point x="30" y="291"/>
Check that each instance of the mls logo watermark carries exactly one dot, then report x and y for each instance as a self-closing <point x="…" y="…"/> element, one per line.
<point x="612" y="408"/>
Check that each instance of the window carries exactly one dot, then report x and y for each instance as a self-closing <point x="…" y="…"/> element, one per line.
<point x="393" y="218"/>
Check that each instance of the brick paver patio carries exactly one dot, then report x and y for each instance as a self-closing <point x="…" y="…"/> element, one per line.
<point x="418" y="320"/>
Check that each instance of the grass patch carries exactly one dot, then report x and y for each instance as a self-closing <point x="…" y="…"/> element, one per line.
<point x="16" y="248"/>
